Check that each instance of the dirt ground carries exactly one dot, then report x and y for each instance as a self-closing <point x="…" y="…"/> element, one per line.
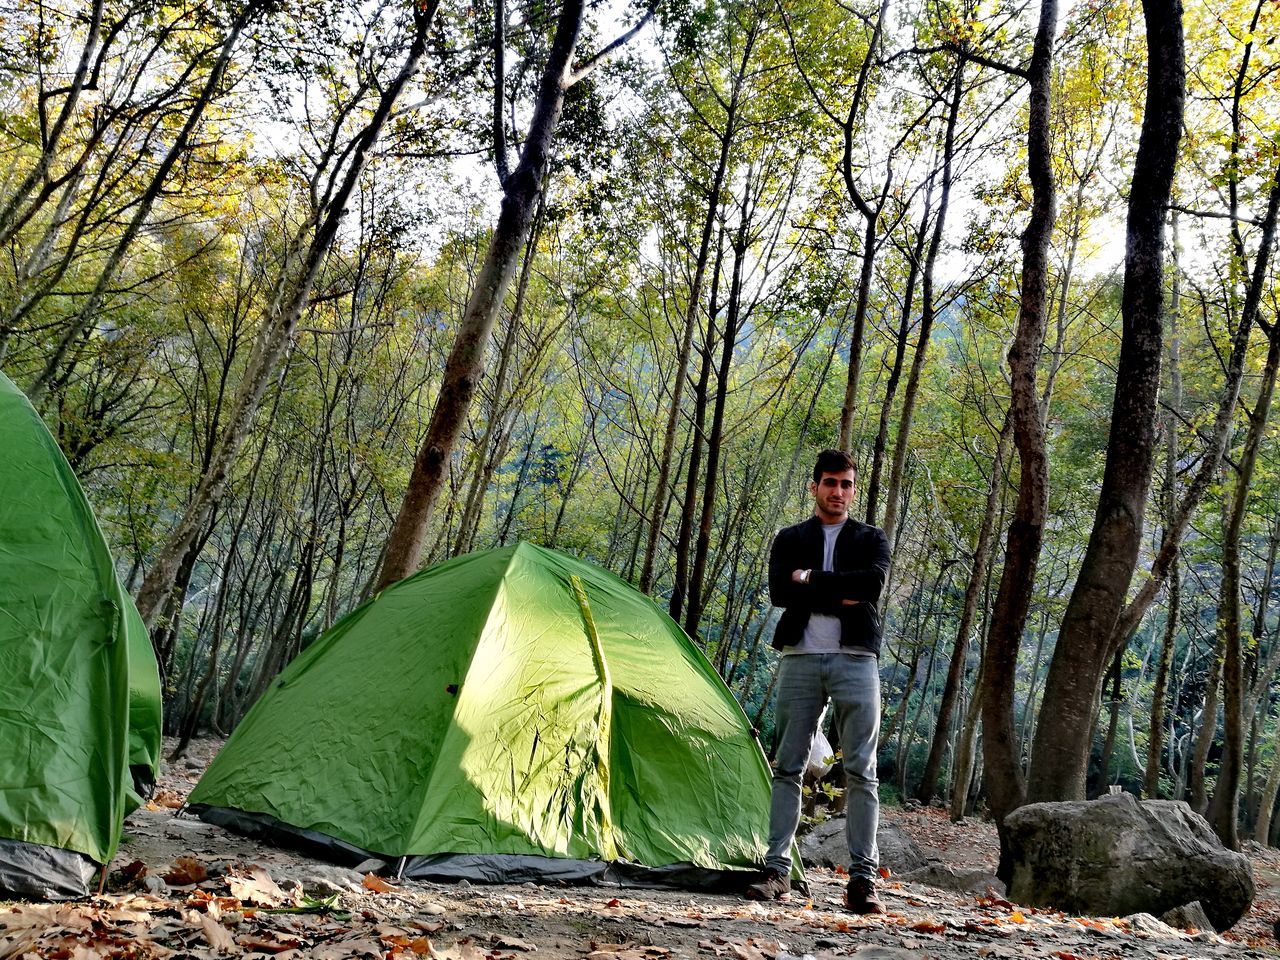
<point x="183" y="888"/>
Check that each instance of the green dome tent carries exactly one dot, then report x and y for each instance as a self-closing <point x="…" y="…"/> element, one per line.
<point x="509" y="715"/>
<point x="80" y="699"/>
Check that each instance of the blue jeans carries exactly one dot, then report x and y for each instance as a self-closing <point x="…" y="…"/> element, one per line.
<point x="805" y="681"/>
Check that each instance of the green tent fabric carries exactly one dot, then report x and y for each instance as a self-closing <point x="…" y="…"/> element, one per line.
<point x="80" y="702"/>
<point x="145" y="727"/>
<point x="510" y="714"/>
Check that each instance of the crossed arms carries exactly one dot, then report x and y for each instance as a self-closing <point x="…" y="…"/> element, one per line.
<point x="826" y="591"/>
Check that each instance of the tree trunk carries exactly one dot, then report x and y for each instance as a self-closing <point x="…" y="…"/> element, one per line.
<point x="191" y="721"/>
<point x="520" y="192"/>
<point x="1084" y="646"/>
<point x="487" y="459"/>
<point x="1027" y="726"/>
<point x="890" y="391"/>
<point x="1004" y="779"/>
<point x="728" y="342"/>
<point x="1155" y="732"/>
<point x="966" y="752"/>
<point x="1205" y="735"/>
<point x="521" y="478"/>
<point x="1263" y="671"/>
<point x="871" y="218"/>
<point x="977" y="576"/>
<point x="1251" y="779"/>
<point x="914" y="725"/>
<point x="575" y="473"/>
<point x="898" y="725"/>
<point x="693" y="472"/>
<point x="1267" y="803"/>
<point x="927" y="316"/>
<point x="661" y="493"/>
<point x="1227" y="792"/>
<point x="1113" y="722"/>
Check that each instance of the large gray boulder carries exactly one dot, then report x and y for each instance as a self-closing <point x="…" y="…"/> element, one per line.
<point x="825" y="846"/>
<point x="1115" y="856"/>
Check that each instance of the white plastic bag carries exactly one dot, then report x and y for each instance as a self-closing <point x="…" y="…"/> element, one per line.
<point x="820" y="754"/>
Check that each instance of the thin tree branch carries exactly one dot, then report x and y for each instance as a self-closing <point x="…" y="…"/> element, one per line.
<point x="585" y="69"/>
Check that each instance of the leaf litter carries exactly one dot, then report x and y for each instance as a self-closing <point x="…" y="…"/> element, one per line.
<point x="181" y="888"/>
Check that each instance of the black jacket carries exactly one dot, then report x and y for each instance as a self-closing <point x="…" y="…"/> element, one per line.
<point x="861" y="566"/>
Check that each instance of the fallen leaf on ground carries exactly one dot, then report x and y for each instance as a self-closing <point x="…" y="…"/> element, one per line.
<point x="994" y="902"/>
<point x="254" y="885"/>
<point x="272" y="943"/>
<point x="346" y="949"/>
<point x="459" y="951"/>
<point x="745" y="951"/>
<point x="186" y="871"/>
<point x="133" y="872"/>
<point x="375" y="883"/>
<point x="400" y="943"/>
<point x="218" y="936"/>
<point x="928" y="926"/>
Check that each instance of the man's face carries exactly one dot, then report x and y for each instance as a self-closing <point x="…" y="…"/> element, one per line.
<point x="832" y="496"/>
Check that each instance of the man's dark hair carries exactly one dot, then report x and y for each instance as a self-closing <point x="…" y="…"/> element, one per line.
<point x="832" y="461"/>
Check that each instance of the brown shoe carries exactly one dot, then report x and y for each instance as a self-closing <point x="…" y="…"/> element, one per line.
<point x="860" y="896"/>
<point x="772" y="886"/>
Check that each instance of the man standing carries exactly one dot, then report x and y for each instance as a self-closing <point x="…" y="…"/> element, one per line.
<point x="827" y="574"/>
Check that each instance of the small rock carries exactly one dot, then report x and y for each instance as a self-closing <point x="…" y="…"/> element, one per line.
<point x="1189" y="916"/>
<point x="372" y="865"/>
<point x="155" y="885"/>
<point x="434" y="909"/>
<point x="502" y="942"/>
<point x="1206" y="936"/>
<point x="1146" y="923"/>
<point x="936" y="873"/>
<point x="825" y="846"/>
